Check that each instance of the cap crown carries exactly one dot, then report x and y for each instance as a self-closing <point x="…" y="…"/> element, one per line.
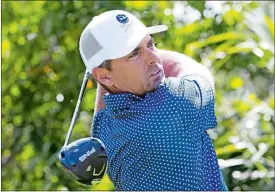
<point x="110" y="35"/>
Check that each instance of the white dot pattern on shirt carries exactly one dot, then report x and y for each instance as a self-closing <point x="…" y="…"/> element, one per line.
<point x="159" y="142"/>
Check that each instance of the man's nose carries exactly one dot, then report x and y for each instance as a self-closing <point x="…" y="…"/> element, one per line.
<point x="151" y="56"/>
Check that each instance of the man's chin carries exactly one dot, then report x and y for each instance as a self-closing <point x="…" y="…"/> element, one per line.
<point x="155" y="85"/>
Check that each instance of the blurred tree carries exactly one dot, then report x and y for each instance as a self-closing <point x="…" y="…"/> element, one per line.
<point x="42" y="73"/>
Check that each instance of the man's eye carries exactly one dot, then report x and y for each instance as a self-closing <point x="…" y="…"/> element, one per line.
<point x="134" y="54"/>
<point x="151" y="44"/>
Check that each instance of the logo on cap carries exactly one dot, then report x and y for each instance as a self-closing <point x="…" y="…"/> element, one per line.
<point x="122" y="18"/>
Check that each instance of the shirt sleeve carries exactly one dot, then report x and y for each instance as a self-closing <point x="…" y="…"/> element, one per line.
<point x="195" y="96"/>
<point x="196" y="79"/>
<point x="193" y="89"/>
<point x="197" y="89"/>
<point x="186" y="65"/>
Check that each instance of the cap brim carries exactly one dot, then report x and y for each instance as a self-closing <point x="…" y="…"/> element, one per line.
<point x="133" y="42"/>
<point x="157" y="29"/>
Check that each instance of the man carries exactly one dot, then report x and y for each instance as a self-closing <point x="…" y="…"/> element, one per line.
<point x="154" y="128"/>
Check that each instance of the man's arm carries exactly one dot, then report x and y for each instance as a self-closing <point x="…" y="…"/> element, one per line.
<point x="99" y="103"/>
<point x="195" y="85"/>
<point x="174" y="65"/>
<point x="177" y="65"/>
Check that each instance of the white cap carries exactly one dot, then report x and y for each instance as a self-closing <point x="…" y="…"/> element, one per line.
<point x="111" y="35"/>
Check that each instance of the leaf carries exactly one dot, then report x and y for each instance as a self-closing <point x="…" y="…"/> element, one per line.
<point x="191" y="47"/>
<point x="227" y="149"/>
<point x="5" y="48"/>
<point x="199" y="5"/>
<point x="236" y="83"/>
<point x="138" y="5"/>
<point x="27" y="153"/>
<point x="15" y="91"/>
<point x="270" y="25"/>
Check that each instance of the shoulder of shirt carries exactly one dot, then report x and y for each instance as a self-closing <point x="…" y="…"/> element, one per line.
<point x="177" y="81"/>
<point x="98" y="116"/>
<point x="178" y="86"/>
<point x="171" y="81"/>
<point x="95" y="128"/>
<point x="172" y="85"/>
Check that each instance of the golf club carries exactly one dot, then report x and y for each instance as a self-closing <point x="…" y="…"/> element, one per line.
<point x="76" y="111"/>
<point x="85" y="160"/>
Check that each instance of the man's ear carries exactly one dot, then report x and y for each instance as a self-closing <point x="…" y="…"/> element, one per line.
<point x="103" y="76"/>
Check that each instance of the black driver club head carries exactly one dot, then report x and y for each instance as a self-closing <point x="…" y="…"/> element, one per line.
<point x="85" y="160"/>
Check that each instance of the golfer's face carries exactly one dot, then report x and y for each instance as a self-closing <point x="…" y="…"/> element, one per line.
<point x="140" y="71"/>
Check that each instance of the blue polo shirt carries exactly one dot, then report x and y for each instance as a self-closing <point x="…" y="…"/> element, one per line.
<point x="159" y="141"/>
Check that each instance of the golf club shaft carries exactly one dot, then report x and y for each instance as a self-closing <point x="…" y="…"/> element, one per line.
<point x="80" y="97"/>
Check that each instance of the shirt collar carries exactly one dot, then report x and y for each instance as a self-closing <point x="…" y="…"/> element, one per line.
<point x="117" y="102"/>
<point x="121" y="101"/>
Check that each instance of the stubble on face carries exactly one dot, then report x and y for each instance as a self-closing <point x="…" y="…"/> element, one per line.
<point x="134" y="73"/>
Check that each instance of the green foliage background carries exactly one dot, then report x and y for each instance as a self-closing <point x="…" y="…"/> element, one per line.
<point x="40" y="61"/>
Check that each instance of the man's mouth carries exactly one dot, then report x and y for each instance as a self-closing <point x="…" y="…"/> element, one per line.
<point x="156" y="72"/>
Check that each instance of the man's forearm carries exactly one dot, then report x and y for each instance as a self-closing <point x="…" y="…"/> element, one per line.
<point x="177" y="64"/>
<point x="171" y="65"/>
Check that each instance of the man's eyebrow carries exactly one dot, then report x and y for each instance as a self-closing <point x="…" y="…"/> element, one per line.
<point x="135" y="50"/>
<point x="139" y="47"/>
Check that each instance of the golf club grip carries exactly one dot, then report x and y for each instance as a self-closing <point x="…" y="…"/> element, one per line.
<point x="80" y="97"/>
